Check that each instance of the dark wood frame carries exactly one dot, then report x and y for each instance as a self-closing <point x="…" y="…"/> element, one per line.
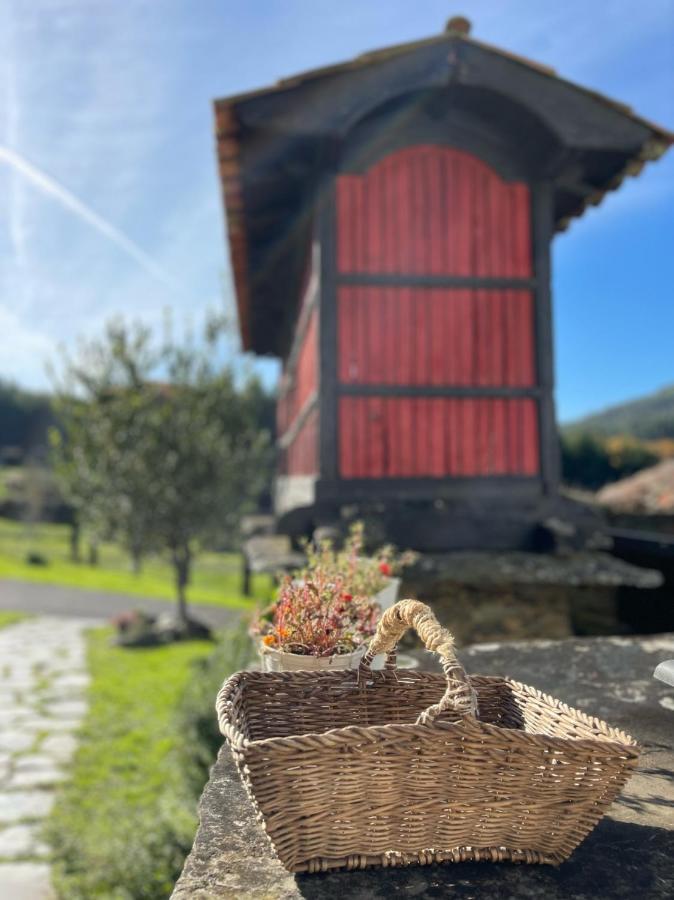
<point x="329" y="487"/>
<point x="385" y="279"/>
<point x="327" y="342"/>
<point x="434" y="390"/>
<point x="504" y="487"/>
<point x="493" y="136"/>
<point x="542" y="224"/>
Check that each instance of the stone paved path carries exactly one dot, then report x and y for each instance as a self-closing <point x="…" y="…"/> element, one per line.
<point x="43" y="679"/>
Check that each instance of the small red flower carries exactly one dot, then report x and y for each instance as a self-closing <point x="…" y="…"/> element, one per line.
<point x="384" y="568"/>
<point x="347" y="597"/>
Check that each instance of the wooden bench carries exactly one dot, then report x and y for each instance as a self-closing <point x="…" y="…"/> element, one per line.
<point x="269" y="554"/>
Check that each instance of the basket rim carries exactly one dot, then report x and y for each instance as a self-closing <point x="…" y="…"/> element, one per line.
<point x="616" y="742"/>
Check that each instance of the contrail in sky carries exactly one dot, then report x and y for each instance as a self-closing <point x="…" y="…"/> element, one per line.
<point x="50" y="186"/>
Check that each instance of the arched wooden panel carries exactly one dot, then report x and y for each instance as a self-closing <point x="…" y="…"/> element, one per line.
<point x="433" y="210"/>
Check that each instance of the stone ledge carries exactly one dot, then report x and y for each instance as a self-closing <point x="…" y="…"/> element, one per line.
<point x="630" y="853"/>
<point x="499" y="569"/>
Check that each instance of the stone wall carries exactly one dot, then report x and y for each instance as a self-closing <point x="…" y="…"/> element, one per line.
<point x="629" y="855"/>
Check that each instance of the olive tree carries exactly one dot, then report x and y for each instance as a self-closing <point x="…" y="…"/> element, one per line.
<point x="160" y="447"/>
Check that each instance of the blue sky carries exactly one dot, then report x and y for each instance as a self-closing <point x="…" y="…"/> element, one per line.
<point x="109" y="201"/>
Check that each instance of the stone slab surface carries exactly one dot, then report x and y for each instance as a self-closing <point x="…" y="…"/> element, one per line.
<point x="25" y="881"/>
<point x="581" y="569"/>
<point x="629" y="855"/>
<point x="37" y="739"/>
<point x="21" y="840"/>
<point x="21" y="806"/>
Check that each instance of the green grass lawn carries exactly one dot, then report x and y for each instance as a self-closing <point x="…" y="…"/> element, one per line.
<point x="216" y="576"/>
<point x="122" y="825"/>
<point x="9" y="618"/>
<point x="3" y="486"/>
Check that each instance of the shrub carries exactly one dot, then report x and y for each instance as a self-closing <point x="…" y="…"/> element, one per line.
<point x="362" y="575"/>
<point x="318" y="617"/>
<point x="589" y="461"/>
<point x="36" y="559"/>
<point x="197" y="722"/>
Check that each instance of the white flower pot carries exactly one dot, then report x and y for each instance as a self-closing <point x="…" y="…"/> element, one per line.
<point x="388" y="595"/>
<point x="274" y="660"/>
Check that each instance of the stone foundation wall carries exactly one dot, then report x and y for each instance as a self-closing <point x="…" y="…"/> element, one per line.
<point x="629" y="855"/>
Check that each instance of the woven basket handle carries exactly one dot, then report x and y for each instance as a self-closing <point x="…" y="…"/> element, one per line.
<point x="459" y="696"/>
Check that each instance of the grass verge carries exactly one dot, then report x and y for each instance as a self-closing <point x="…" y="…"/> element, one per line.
<point x="123" y="824"/>
<point x="10" y="618"/>
<point x="216" y="576"/>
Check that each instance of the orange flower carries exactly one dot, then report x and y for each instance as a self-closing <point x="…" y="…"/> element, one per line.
<point x="269" y="640"/>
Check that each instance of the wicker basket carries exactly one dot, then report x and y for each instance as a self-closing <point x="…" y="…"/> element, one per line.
<point x="355" y="769"/>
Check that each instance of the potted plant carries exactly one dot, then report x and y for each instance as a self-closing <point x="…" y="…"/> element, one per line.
<point x="375" y="576"/>
<point x="315" y="624"/>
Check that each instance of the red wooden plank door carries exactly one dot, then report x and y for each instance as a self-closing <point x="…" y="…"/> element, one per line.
<point x="426" y="239"/>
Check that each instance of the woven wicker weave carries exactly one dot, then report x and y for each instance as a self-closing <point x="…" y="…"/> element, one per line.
<point x="355" y="769"/>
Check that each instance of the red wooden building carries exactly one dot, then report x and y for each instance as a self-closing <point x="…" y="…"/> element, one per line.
<point x="390" y="222"/>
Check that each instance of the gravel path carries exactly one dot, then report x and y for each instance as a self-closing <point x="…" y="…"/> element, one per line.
<point x="54" y="600"/>
<point x="43" y="680"/>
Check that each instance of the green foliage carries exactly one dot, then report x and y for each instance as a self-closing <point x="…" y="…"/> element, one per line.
<point x="25" y="417"/>
<point x="590" y="462"/>
<point x="647" y="418"/>
<point x="216" y="576"/>
<point x="362" y="574"/>
<point x="159" y="465"/>
<point x="10" y="618"/>
<point x="196" y="712"/>
<point x="123" y="824"/>
<point x="31" y="492"/>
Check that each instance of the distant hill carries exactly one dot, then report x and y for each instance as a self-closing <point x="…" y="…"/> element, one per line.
<point x="647" y="418"/>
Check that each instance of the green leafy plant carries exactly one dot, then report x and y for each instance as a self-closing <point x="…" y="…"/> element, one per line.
<point x="195" y="713"/>
<point x="317" y="617"/>
<point x="361" y="574"/>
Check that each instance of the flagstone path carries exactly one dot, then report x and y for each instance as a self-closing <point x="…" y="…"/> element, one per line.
<point x="43" y="681"/>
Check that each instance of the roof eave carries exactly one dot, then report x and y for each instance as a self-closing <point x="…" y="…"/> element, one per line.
<point x="229" y="167"/>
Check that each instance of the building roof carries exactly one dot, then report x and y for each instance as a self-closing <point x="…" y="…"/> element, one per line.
<point x="649" y="492"/>
<point x="273" y="143"/>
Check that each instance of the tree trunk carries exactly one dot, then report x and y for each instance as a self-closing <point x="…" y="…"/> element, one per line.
<point x="136" y="547"/>
<point x="75" y="554"/>
<point x="182" y="560"/>
<point x="136" y="560"/>
<point x="93" y="553"/>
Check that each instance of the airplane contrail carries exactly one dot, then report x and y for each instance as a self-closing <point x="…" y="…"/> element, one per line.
<point x="49" y="185"/>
